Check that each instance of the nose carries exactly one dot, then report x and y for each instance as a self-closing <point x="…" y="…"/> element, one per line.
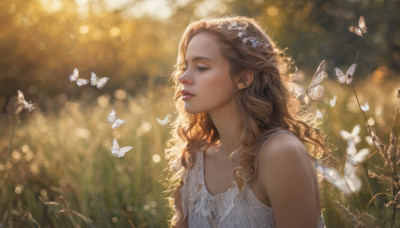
<point x="185" y="78"/>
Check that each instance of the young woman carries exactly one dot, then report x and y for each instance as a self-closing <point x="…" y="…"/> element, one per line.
<point x="238" y="150"/>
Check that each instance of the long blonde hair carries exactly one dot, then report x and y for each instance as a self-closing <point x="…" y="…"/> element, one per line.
<point x="264" y="106"/>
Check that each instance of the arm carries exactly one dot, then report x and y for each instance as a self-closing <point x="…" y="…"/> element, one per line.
<point x="286" y="173"/>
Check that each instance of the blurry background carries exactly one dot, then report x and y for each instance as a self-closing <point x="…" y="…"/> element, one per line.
<point x="56" y="169"/>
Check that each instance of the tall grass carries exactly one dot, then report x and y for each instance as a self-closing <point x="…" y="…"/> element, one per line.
<point x="56" y="167"/>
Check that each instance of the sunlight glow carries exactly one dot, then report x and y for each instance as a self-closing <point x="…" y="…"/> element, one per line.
<point x="84" y="29"/>
<point x="114" y="31"/>
<point x="52" y="5"/>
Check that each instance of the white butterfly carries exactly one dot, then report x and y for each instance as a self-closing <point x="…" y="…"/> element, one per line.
<point x="21" y="100"/>
<point x="347" y="183"/>
<point x="365" y="107"/>
<point x="348" y="77"/>
<point x="98" y="82"/>
<point x="119" y="152"/>
<point x="354" y="157"/>
<point x="164" y="121"/>
<point x="75" y="77"/>
<point x="361" y="29"/>
<point x="315" y="91"/>
<point x="332" y="101"/>
<point x="113" y="120"/>
<point x="353" y="136"/>
<point x="319" y="114"/>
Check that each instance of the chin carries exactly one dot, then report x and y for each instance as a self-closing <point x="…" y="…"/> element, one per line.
<point x="192" y="110"/>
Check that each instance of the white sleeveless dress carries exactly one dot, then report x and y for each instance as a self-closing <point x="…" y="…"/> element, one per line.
<point x="232" y="208"/>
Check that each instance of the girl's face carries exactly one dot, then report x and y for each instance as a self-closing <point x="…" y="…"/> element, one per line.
<point x="206" y="76"/>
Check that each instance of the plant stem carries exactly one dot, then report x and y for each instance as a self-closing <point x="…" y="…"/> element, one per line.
<point x="372" y="195"/>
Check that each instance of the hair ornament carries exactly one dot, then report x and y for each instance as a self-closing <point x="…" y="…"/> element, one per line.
<point x="242" y="34"/>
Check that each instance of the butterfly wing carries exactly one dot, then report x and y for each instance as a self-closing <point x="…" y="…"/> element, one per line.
<point x="362" y="25"/>
<point x="74" y="76"/>
<point x="319" y="114"/>
<point x="21" y="98"/>
<point x="117" y="123"/>
<point x="319" y="74"/>
<point x="365" y="107"/>
<point x="123" y="151"/>
<point x="115" y="148"/>
<point x="80" y="82"/>
<point x="93" y="79"/>
<point x="163" y="121"/>
<point x="339" y="74"/>
<point x="28" y="106"/>
<point x="359" y="157"/>
<point x="350" y="73"/>
<point x="352" y="182"/>
<point x="102" y="82"/>
<point x="345" y="135"/>
<point x="316" y="93"/>
<point x="111" y="117"/>
<point x="333" y="176"/>
<point x="332" y="102"/>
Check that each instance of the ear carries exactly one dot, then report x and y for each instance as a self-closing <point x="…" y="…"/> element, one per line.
<point x="245" y="79"/>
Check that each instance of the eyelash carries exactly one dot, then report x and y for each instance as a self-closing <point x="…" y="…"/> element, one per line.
<point x="198" y="68"/>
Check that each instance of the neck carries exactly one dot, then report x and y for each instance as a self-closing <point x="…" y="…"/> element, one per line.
<point x="227" y="122"/>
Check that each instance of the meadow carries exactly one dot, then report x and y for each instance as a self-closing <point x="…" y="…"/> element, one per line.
<point x="57" y="170"/>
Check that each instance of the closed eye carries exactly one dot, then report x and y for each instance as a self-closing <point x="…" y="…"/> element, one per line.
<point x="202" y="68"/>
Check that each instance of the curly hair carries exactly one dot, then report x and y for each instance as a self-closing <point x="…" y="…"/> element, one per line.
<point x="265" y="106"/>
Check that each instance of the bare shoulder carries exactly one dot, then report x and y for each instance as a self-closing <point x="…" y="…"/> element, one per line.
<point x="284" y="166"/>
<point x="284" y="156"/>
<point x="282" y="146"/>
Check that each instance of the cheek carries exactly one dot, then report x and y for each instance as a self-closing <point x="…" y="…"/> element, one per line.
<point x="219" y="87"/>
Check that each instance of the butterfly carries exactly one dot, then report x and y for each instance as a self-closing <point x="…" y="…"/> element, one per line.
<point x="357" y="157"/>
<point x="365" y="107"/>
<point x="361" y="29"/>
<point x="353" y="135"/>
<point x="348" y="77"/>
<point x="347" y="183"/>
<point x="164" y="121"/>
<point x="332" y="102"/>
<point x="75" y="77"/>
<point x="98" y="82"/>
<point x="319" y="114"/>
<point x="21" y="100"/>
<point x="113" y="120"/>
<point x="315" y="91"/>
<point x="119" y="152"/>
